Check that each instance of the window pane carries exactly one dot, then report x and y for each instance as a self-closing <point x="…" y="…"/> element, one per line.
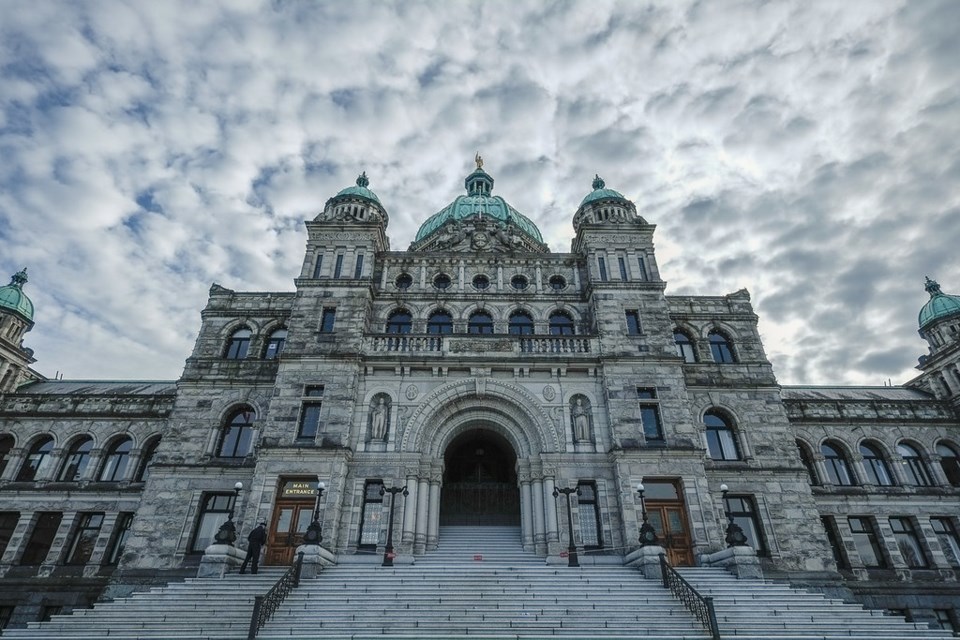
<point x="41" y="538"/>
<point x="372" y="514"/>
<point x="589" y="515"/>
<point x="720" y="348"/>
<point x="8" y="522"/>
<point x="84" y="538"/>
<point x="214" y="511"/>
<point x="908" y="543"/>
<point x="521" y="324"/>
<point x="633" y="323"/>
<point x="327" y="320"/>
<point x="949" y="460"/>
<point x="602" y="264"/>
<point x="309" y="421"/>
<point x="121" y="532"/>
<point x="38" y="460"/>
<point x="865" y="540"/>
<point x="77" y="461"/>
<point x="650" y="417"/>
<point x="949" y="542"/>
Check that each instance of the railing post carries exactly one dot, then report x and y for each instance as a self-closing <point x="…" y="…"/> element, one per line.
<point x="714" y="627"/>
<point x="255" y="618"/>
<point x="296" y="572"/>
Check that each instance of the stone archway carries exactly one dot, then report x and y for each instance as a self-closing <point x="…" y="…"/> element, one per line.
<point x="480" y="481"/>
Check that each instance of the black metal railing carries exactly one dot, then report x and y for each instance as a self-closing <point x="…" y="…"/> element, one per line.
<point x="266" y="605"/>
<point x="699" y="605"/>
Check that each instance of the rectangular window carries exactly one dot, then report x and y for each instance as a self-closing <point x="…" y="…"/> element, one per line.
<point x="338" y="266"/>
<point x="833" y="537"/>
<point x="41" y="538"/>
<point x="633" y="323"/>
<point x="909" y="543"/>
<point x="867" y="544"/>
<point x="650" y="414"/>
<point x="949" y="541"/>
<point x="318" y="266"/>
<point x="372" y="515"/>
<point x="121" y="531"/>
<point x="214" y="508"/>
<point x="309" y="421"/>
<point x="623" y="268"/>
<point x="589" y="510"/>
<point x="358" y="270"/>
<point x="602" y="264"/>
<point x="642" y="266"/>
<point x="84" y="538"/>
<point x="327" y="319"/>
<point x="8" y="522"/>
<point x="743" y="511"/>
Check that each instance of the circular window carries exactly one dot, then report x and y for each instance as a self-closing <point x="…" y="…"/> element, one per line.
<point x="558" y="283"/>
<point x="481" y="282"/>
<point x="442" y="281"/>
<point x="519" y="282"/>
<point x="404" y="281"/>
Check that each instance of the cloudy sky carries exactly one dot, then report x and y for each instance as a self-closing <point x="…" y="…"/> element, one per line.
<point x="807" y="151"/>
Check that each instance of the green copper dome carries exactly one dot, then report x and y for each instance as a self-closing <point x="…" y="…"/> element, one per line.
<point x="360" y="190"/>
<point x="479" y="203"/>
<point x="600" y="192"/>
<point x="13" y="298"/>
<point x="939" y="306"/>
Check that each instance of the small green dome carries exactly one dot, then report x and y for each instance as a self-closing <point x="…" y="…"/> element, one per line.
<point x="360" y="190"/>
<point x="13" y="298"/>
<point x="600" y="192"/>
<point x="939" y="306"/>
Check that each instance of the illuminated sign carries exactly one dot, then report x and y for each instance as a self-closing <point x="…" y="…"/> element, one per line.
<point x="299" y="489"/>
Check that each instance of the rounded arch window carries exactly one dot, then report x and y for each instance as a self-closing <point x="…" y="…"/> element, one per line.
<point x="684" y="346"/>
<point x="442" y="281"/>
<point x="404" y="281"/>
<point x="239" y="344"/>
<point x="520" y="283"/>
<point x="440" y="322"/>
<point x="236" y="438"/>
<point x="806" y="458"/>
<point x="558" y="283"/>
<point x="875" y="464"/>
<point x="275" y="344"/>
<point x="561" y="324"/>
<point x="481" y="282"/>
<point x="950" y="461"/>
<point x="720" y="347"/>
<point x="116" y="461"/>
<point x="6" y="445"/>
<point x="914" y="466"/>
<point x="838" y="467"/>
<point x="143" y="469"/>
<point x="520" y="324"/>
<point x="721" y="440"/>
<point x="399" y="321"/>
<point x="77" y="460"/>
<point x="38" y="460"/>
<point x="480" y="322"/>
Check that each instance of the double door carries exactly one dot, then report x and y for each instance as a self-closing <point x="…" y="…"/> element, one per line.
<point x="287" y="528"/>
<point x="669" y="520"/>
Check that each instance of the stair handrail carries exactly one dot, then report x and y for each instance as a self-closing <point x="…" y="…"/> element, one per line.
<point x="700" y="606"/>
<point x="266" y="605"/>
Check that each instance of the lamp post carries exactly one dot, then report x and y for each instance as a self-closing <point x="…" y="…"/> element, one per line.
<point x="648" y="535"/>
<point x="388" y="550"/>
<point x="227" y="534"/>
<point x="314" y="534"/>
<point x="735" y="535"/>
<point x="572" y="560"/>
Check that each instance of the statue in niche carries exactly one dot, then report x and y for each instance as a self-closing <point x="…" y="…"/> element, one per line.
<point x="379" y="419"/>
<point x="581" y="421"/>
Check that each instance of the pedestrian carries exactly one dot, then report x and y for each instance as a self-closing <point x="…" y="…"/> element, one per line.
<point x="255" y="541"/>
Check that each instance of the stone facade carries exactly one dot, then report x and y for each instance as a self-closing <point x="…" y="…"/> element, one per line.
<point x="479" y="371"/>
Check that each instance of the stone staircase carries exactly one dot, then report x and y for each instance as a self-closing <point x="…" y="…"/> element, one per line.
<point x="761" y="609"/>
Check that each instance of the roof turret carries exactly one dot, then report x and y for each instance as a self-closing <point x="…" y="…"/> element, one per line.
<point x="939" y="306"/>
<point x="12" y="297"/>
<point x="600" y="192"/>
<point x="360" y="190"/>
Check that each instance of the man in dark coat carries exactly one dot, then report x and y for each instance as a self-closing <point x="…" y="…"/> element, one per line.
<point x="255" y="539"/>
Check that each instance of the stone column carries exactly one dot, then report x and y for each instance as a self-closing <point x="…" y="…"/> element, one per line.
<point x="539" y="533"/>
<point x="410" y="512"/>
<point x="423" y="505"/>
<point x="526" y="514"/>
<point x="14" y="462"/>
<point x="551" y="511"/>
<point x="433" y="522"/>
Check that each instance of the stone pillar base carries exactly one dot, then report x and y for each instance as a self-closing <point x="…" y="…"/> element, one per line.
<point x="218" y="559"/>
<point x="315" y="559"/>
<point x="647" y="559"/>
<point x="740" y="561"/>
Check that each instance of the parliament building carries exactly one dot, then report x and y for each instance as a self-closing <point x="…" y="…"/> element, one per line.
<point x="480" y="371"/>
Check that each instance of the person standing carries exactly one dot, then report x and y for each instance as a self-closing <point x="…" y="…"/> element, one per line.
<point x="255" y="541"/>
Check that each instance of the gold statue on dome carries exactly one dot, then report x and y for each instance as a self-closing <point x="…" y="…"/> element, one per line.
<point x="479" y="161"/>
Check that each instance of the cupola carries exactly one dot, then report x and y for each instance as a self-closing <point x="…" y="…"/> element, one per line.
<point x="356" y="203"/>
<point x="605" y="206"/>
<point x="13" y="299"/>
<point x="940" y="306"/>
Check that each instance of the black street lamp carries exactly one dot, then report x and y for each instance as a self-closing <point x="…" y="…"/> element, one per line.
<point x="227" y="534"/>
<point x="388" y="550"/>
<point x="648" y="535"/>
<point x="314" y="534"/>
<point x="735" y="535"/>
<point x="572" y="560"/>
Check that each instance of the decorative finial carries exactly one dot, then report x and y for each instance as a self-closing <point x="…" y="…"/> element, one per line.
<point x="598" y="182"/>
<point x="932" y="287"/>
<point x="362" y="180"/>
<point x="19" y="278"/>
<point x="479" y="160"/>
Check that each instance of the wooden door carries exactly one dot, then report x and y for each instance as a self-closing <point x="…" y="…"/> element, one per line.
<point x="290" y="521"/>
<point x="669" y="520"/>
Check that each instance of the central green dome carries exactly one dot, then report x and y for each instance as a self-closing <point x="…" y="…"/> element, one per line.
<point x="479" y="203"/>
<point x="13" y="298"/>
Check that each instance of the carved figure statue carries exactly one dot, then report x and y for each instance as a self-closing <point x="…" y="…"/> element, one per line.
<point x="581" y="422"/>
<point x="378" y="421"/>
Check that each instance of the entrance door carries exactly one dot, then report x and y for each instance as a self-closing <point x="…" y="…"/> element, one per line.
<point x="668" y="515"/>
<point x="480" y="481"/>
<point x="290" y="521"/>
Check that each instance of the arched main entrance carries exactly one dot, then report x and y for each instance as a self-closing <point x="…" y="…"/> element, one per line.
<point x="480" y="481"/>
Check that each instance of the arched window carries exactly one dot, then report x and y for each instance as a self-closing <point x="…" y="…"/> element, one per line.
<point x="143" y="469"/>
<point x="521" y="324"/>
<point x="399" y="322"/>
<point x="275" y="344"/>
<point x="38" y="460"/>
<point x="78" y="457"/>
<point x="440" y="322"/>
<point x="721" y="441"/>
<point x="950" y="461"/>
<point x="561" y="324"/>
<point x="480" y="322"/>
<point x="237" y="436"/>
<point x="914" y="466"/>
<point x="878" y="472"/>
<point x="720" y="347"/>
<point x="6" y="444"/>
<point x="239" y="344"/>
<point x="684" y="346"/>
<point x="115" y="463"/>
<point x="807" y="460"/>
<point x="838" y="467"/>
